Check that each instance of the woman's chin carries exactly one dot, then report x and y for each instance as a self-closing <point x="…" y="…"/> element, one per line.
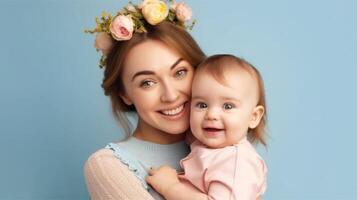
<point x="176" y="129"/>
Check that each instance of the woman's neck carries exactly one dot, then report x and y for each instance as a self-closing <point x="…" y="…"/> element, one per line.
<point x="150" y="134"/>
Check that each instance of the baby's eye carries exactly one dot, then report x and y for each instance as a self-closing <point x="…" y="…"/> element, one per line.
<point x="181" y="73"/>
<point x="228" y="106"/>
<point x="201" y="105"/>
<point x="146" y="84"/>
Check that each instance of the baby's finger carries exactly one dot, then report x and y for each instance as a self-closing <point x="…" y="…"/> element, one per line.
<point x="152" y="170"/>
<point x="148" y="179"/>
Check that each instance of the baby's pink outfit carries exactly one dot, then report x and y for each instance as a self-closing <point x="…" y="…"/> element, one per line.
<point x="229" y="173"/>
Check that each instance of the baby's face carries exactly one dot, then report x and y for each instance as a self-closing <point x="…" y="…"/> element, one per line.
<point x="221" y="113"/>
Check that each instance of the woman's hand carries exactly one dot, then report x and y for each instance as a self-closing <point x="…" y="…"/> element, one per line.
<point x="162" y="179"/>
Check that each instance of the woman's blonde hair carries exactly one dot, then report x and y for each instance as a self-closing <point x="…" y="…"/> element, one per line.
<point x="173" y="36"/>
<point x="216" y="66"/>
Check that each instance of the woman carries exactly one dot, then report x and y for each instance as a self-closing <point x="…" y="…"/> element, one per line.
<point x="150" y="74"/>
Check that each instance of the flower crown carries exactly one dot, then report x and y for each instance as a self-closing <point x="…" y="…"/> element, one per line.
<point x="134" y="19"/>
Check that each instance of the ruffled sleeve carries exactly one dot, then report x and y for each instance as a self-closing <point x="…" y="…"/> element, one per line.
<point x="129" y="160"/>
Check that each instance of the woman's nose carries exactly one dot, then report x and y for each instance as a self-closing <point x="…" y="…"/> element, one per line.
<point x="169" y="93"/>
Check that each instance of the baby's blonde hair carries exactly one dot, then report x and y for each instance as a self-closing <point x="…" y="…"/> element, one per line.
<point x="216" y="65"/>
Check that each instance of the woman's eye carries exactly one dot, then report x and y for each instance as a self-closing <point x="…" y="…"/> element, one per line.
<point x="201" y="105"/>
<point x="181" y="73"/>
<point x="228" y="106"/>
<point x="146" y="84"/>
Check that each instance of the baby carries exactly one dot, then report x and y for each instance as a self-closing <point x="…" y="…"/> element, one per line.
<point x="227" y="114"/>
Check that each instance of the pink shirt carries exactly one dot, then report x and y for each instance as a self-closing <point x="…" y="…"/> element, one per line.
<point x="229" y="173"/>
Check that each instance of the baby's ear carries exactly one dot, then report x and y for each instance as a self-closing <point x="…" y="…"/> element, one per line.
<point x="126" y="99"/>
<point x="257" y="115"/>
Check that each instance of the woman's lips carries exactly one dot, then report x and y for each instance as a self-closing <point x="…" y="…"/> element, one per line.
<point x="175" y="113"/>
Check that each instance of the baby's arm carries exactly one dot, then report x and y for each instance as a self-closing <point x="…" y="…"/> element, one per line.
<point x="108" y="178"/>
<point x="165" y="181"/>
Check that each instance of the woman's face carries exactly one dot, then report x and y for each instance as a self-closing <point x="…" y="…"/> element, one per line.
<point x="157" y="81"/>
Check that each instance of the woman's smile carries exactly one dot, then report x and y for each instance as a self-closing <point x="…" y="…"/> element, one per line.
<point x="174" y="113"/>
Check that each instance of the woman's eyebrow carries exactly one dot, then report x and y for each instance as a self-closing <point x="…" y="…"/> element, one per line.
<point x="148" y="72"/>
<point x="176" y="63"/>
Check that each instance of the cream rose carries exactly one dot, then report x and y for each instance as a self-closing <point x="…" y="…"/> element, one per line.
<point x="131" y="8"/>
<point x="122" y="27"/>
<point x="183" y="12"/>
<point x="142" y="4"/>
<point x="155" y="11"/>
<point x="103" y="42"/>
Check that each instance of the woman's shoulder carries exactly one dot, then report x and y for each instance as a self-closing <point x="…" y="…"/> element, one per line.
<point x="109" y="153"/>
<point x="109" y="156"/>
<point x="109" y="178"/>
<point x="100" y="156"/>
<point x="115" y="156"/>
<point x="123" y="153"/>
<point x="100" y="159"/>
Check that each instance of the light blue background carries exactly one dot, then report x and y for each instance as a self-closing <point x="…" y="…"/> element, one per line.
<point x="53" y="113"/>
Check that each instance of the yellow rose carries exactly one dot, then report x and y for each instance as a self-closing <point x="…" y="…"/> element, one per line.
<point x="142" y="4"/>
<point x="155" y="11"/>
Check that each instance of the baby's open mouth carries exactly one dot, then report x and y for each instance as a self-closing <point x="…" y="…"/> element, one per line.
<point x="213" y="129"/>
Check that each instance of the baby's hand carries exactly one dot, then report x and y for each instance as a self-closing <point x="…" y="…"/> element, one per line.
<point x="162" y="179"/>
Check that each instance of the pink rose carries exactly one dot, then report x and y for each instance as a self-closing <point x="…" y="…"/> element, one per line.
<point x="103" y="42"/>
<point x="183" y="12"/>
<point x="122" y="27"/>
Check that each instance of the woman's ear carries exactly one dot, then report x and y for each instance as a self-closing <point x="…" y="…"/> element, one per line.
<point x="257" y="115"/>
<point x="126" y="99"/>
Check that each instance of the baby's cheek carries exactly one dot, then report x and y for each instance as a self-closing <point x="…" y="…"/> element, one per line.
<point x="195" y="123"/>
